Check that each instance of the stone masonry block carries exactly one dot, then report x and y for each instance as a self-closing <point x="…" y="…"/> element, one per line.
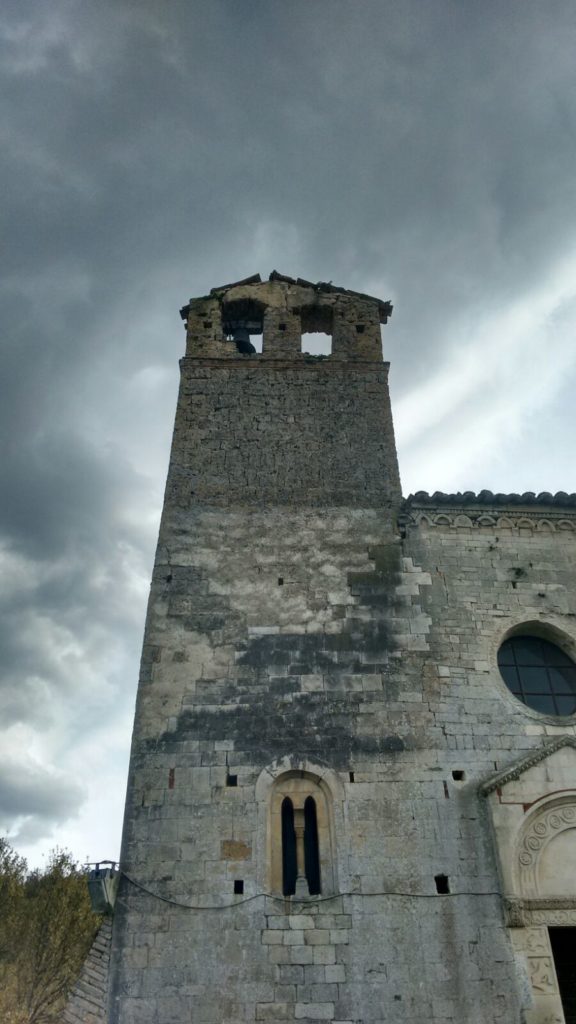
<point x="301" y="954"/>
<point x="324" y="954"/>
<point x="317" y="937"/>
<point x="301" y="921"/>
<point x="314" y="1011"/>
<point x="272" y="1011"/>
<point x="336" y="973"/>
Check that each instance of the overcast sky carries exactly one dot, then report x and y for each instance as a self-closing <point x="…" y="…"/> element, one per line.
<point x="420" y="150"/>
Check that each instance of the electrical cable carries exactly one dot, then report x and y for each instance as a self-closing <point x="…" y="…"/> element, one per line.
<point x="303" y="900"/>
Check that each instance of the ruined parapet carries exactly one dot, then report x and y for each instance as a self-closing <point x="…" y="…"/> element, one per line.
<point x="282" y="309"/>
<point x="281" y="426"/>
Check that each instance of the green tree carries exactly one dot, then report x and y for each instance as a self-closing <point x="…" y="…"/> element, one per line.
<point x="13" y="870"/>
<point x="46" y="929"/>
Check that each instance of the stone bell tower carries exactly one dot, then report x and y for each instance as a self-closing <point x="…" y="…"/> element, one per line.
<point x="282" y="428"/>
<point x="280" y="506"/>
<point x="302" y="841"/>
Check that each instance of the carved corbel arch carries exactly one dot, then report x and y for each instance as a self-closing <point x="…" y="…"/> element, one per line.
<point x="545" y="526"/>
<point x="442" y="520"/>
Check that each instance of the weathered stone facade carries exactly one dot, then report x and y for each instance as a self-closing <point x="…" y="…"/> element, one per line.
<point x="310" y="635"/>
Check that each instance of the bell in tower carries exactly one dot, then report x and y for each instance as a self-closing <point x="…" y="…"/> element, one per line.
<point x="241" y="337"/>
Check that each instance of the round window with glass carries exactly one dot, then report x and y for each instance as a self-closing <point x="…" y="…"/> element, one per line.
<point x="539" y="674"/>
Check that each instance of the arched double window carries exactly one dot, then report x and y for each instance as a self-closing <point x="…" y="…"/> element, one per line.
<point x="300" y="836"/>
<point x="300" y="851"/>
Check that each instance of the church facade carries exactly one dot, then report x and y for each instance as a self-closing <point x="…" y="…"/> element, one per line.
<point x="352" y="790"/>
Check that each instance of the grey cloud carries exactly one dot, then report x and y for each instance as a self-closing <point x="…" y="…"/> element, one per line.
<point x="152" y="150"/>
<point x="26" y="791"/>
<point x="63" y="494"/>
<point x="195" y="110"/>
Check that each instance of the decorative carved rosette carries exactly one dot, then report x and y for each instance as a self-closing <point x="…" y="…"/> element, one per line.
<point x="540" y="831"/>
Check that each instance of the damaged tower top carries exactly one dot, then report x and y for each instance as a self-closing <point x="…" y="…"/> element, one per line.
<point x="282" y="309"/>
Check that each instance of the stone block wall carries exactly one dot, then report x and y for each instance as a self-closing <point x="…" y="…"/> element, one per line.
<point x="303" y="629"/>
<point x="276" y="434"/>
<point x="372" y="667"/>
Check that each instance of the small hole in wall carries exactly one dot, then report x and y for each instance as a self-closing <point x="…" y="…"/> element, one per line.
<point x="351" y="776"/>
<point x="207" y="324"/>
<point x="446" y="790"/>
<point x="238" y="886"/>
<point x="442" y="886"/>
<point x="171" y="778"/>
<point x="359" y="328"/>
<point x="281" y="327"/>
<point x="280" y="581"/>
<point x="231" y="780"/>
<point x="458" y="775"/>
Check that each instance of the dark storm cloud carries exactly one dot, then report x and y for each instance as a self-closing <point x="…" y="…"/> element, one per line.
<point x="422" y="151"/>
<point x="36" y="793"/>
<point x="181" y="126"/>
<point x="64" y="493"/>
<point x="36" y="800"/>
<point x="424" y="148"/>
